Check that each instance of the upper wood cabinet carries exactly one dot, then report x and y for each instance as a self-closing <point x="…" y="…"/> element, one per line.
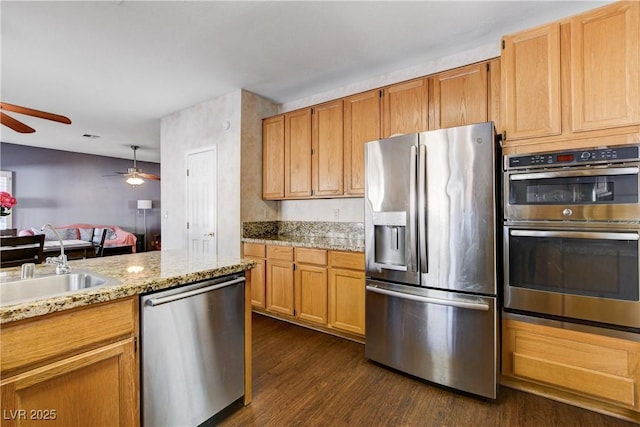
<point x="318" y="152"/>
<point x="575" y="82"/>
<point x="531" y="82"/>
<point x="297" y="153"/>
<point x="328" y="151"/>
<point x="494" y="101"/>
<point x="405" y="108"/>
<point x="459" y="97"/>
<point x="605" y="68"/>
<point x="273" y="157"/>
<point x="361" y="124"/>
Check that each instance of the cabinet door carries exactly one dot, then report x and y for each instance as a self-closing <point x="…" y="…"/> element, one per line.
<point x="459" y="97"/>
<point x="346" y="300"/>
<point x="328" y="153"/>
<point x="96" y="388"/>
<point x="258" y="283"/>
<point x="405" y="108"/>
<point x="494" y="108"/>
<point x="531" y="83"/>
<point x="297" y="153"/>
<point x="280" y="287"/>
<point x="605" y="69"/>
<point x="273" y="158"/>
<point x="361" y="124"/>
<point x="311" y="293"/>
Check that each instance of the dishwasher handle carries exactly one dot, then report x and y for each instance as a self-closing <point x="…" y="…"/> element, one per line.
<point x="175" y="297"/>
<point x="430" y="300"/>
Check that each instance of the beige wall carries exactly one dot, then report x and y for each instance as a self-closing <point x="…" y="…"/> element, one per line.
<point x="333" y="210"/>
<point x="189" y="130"/>
<point x="456" y="60"/>
<point x="253" y="208"/>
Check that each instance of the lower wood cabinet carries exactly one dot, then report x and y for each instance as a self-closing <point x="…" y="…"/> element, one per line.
<point x="347" y="291"/>
<point x="279" y="283"/>
<point x="257" y="253"/>
<point x="73" y="368"/>
<point x="313" y="287"/>
<point x="593" y="371"/>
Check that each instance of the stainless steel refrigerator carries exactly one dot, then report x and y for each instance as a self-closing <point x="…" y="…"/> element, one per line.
<point x="430" y="238"/>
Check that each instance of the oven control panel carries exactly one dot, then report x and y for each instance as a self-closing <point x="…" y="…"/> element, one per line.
<point x="575" y="157"/>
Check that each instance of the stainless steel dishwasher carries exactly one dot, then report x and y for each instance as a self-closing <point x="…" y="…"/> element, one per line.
<point x="192" y="351"/>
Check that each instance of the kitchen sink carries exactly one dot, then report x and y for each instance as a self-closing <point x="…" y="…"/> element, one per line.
<point x="48" y="286"/>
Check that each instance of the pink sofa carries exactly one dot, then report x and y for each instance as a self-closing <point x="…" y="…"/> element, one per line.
<point x="116" y="236"/>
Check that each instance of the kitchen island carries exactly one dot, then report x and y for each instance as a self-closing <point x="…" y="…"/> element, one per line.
<point x="60" y="349"/>
<point x="137" y="273"/>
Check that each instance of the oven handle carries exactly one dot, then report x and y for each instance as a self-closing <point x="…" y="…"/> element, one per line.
<point x="589" y="172"/>
<point x="575" y="234"/>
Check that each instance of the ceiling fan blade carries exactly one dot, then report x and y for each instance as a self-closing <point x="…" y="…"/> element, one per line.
<point x="14" y="124"/>
<point x="35" y="113"/>
<point x="148" y="176"/>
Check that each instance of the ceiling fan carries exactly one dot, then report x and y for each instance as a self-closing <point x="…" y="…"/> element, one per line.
<point x="20" y="127"/>
<point x="134" y="175"/>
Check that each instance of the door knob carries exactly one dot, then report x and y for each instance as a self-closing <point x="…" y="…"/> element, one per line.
<point x="211" y="234"/>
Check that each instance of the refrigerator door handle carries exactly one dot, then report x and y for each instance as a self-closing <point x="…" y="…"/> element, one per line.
<point x="422" y="206"/>
<point x="430" y="300"/>
<point x="411" y="241"/>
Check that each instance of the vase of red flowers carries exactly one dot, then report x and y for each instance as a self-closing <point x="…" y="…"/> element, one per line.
<point x="7" y="201"/>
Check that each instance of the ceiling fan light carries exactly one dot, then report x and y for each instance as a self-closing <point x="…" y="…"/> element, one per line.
<point x="134" y="180"/>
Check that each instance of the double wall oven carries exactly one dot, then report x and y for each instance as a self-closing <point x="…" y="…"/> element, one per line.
<point x="572" y="236"/>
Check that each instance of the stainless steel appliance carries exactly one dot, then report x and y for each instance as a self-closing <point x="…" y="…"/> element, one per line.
<point x="599" y="184"/>
<point x="192" y="351"/>
<point x="571" y="235"/>
<point x="430" y="202"/>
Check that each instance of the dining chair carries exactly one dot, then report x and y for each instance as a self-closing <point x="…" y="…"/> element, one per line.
<point x="15" y="251"/>
<point x="99" y="242"/>
<point x="9" y="232"/>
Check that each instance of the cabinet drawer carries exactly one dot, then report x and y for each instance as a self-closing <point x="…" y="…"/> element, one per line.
<point x="601" y="368"/>
<point x="282" y="253"/>
<point x="598" y="384"/>
<point x="351" y="260"/>
<point x="254" y="249"/>
<point x="58" y="335"/>
<point x="311" y="256"/>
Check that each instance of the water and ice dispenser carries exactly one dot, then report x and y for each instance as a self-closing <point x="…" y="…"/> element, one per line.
<point x="390" y="234"/>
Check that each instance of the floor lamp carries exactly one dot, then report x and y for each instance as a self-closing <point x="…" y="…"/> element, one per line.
<point x="144" y="205"/>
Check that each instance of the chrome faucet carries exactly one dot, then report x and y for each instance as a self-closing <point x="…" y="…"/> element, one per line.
<point x="62" y="266"/>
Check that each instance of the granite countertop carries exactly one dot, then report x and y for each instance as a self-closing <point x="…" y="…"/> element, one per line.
<point x="330" y="243"/>
<point x="138" y="273"/>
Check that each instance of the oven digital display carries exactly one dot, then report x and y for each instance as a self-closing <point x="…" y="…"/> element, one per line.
<point x="564" y="158"/>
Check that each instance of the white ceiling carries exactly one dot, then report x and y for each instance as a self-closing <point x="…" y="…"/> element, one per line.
<point x="116" y="68"/>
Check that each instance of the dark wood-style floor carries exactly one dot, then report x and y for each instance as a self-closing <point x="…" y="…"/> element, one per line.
<point x="307" y="378"/>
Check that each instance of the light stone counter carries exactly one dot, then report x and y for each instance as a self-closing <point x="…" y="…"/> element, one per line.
<point x="138" y="273"/>
<point x="330" y="243"/>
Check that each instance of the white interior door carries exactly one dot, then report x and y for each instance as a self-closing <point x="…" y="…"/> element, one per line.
<point x="202" y="202"/>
